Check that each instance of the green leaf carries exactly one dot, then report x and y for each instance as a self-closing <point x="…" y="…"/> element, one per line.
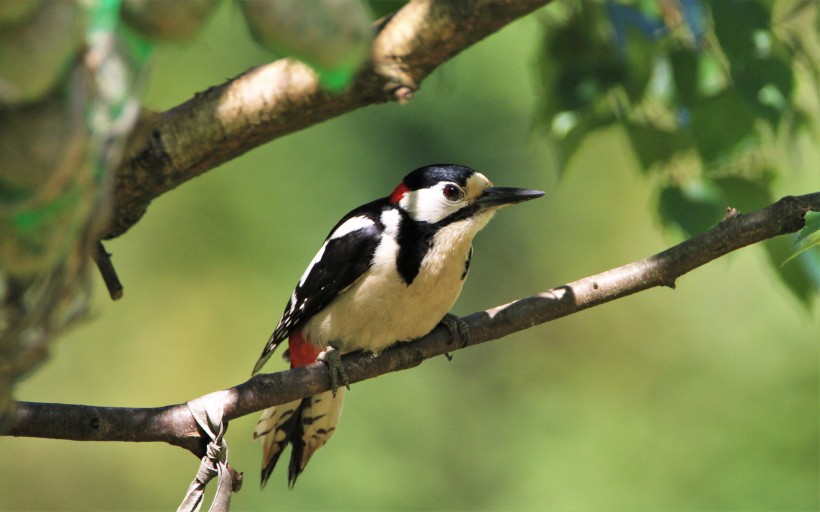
<point x="744" y="194"/>
<point x="685" y="69"/>
<point x="639" y="64"/>
<point x="720" y="124"/>
<point x="807" y="238"/>
<point x="381" y="8"/>
<point x="693" y="208"/>
<point x="802" y="278"/>
<point x="581" y="76"/>
<point x="652" y="145"/>
<point x="766" y="84"/>
<point x="736" y="22"/>
<point x="579" y="125"/>
<point x="811" y="227"/>
<point x="586" y="83"/>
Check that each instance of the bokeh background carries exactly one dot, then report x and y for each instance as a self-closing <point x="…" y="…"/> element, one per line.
<point x="701" y="398"/>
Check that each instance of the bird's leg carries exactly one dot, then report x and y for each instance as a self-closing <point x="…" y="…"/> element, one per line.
<point x="457" y="327"/>
<point x="458" y="331"/>
<point x="333" y="359"/>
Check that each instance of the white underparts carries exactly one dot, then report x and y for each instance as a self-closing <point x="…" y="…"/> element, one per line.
<point x="381" y="308"/>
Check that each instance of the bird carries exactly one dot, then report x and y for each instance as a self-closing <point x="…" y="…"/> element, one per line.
<point x="389" y="271"/>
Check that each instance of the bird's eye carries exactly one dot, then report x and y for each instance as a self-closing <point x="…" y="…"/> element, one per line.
<point x="452" y="192"/>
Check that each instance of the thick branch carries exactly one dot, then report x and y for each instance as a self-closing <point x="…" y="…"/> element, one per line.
<point x="175" y="425"/>
<point x="270" y="101"/>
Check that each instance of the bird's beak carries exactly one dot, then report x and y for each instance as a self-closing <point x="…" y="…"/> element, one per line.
<point x="502" y="196"/>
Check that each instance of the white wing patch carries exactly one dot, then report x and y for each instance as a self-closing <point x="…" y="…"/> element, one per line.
<point x="313" y="262"/>
<point x="350" y="225"/>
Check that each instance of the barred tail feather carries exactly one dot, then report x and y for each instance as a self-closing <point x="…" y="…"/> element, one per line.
<point x="306" y="424"/>
<point x="276" y="427"/>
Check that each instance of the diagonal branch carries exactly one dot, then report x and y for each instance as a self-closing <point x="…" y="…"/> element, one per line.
<point x="283" y="97"/>
<point x="175" y="425"/>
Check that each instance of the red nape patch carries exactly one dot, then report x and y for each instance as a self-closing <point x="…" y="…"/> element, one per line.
<point x="302" y="353"/>
<point x="398" y="193"/>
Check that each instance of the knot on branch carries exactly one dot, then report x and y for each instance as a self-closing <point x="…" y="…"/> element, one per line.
<point x="208" y="415"/>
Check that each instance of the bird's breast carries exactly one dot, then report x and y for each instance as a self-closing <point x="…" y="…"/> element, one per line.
<point x="382" y="308"/>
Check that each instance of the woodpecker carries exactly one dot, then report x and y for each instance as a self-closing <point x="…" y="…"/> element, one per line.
<point x="389" y="271"/>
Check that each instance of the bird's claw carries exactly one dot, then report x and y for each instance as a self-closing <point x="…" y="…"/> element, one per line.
<point x="333" y="359"/>
<point x="458" y="329"/>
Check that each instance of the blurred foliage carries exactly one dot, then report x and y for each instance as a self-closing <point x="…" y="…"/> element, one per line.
<point x="160" y="20"/>
<point x="69" y="92"/>
<point x="705" y="398"/>
<point x="69" y="95"/>
<point x="332" y="36"/>
<point x="705" y="91"/>
<point x="71" y="80"/>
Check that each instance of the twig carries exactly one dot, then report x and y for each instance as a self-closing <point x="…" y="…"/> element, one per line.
<point x="106" y="267"/>
<point x="175" y="425"/>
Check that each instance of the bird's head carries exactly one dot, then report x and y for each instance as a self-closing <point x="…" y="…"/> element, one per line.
<point x="445" y="193"/>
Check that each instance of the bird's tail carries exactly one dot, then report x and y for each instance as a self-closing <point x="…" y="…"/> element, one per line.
<point x="306" y="424"/>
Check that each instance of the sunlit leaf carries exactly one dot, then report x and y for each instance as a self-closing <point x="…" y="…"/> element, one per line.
<point x="802" y="276"/>
<point x="808" y="237"/>
<point x="811" y="227"/>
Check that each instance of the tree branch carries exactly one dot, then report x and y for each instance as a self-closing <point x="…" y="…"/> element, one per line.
<point x="283" y="97"/>
<point x="175" y="425"/>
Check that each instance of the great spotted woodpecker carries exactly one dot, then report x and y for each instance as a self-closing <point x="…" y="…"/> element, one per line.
<point x="389" y="271"/>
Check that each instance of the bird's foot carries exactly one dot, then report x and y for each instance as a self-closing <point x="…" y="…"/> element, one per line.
<point x="333" y="359"/>
<point x="458" y="330"/>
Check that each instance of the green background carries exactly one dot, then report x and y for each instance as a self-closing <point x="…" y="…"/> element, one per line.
<point x="701" y="398"/>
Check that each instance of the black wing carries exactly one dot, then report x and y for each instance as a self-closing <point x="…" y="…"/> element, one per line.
<point x="343" y="258"/>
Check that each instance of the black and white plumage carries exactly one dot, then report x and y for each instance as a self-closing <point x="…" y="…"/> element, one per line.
<point x="388" y="271"/>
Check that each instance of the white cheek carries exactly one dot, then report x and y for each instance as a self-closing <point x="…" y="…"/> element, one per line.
<point x="428" y="205"/>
